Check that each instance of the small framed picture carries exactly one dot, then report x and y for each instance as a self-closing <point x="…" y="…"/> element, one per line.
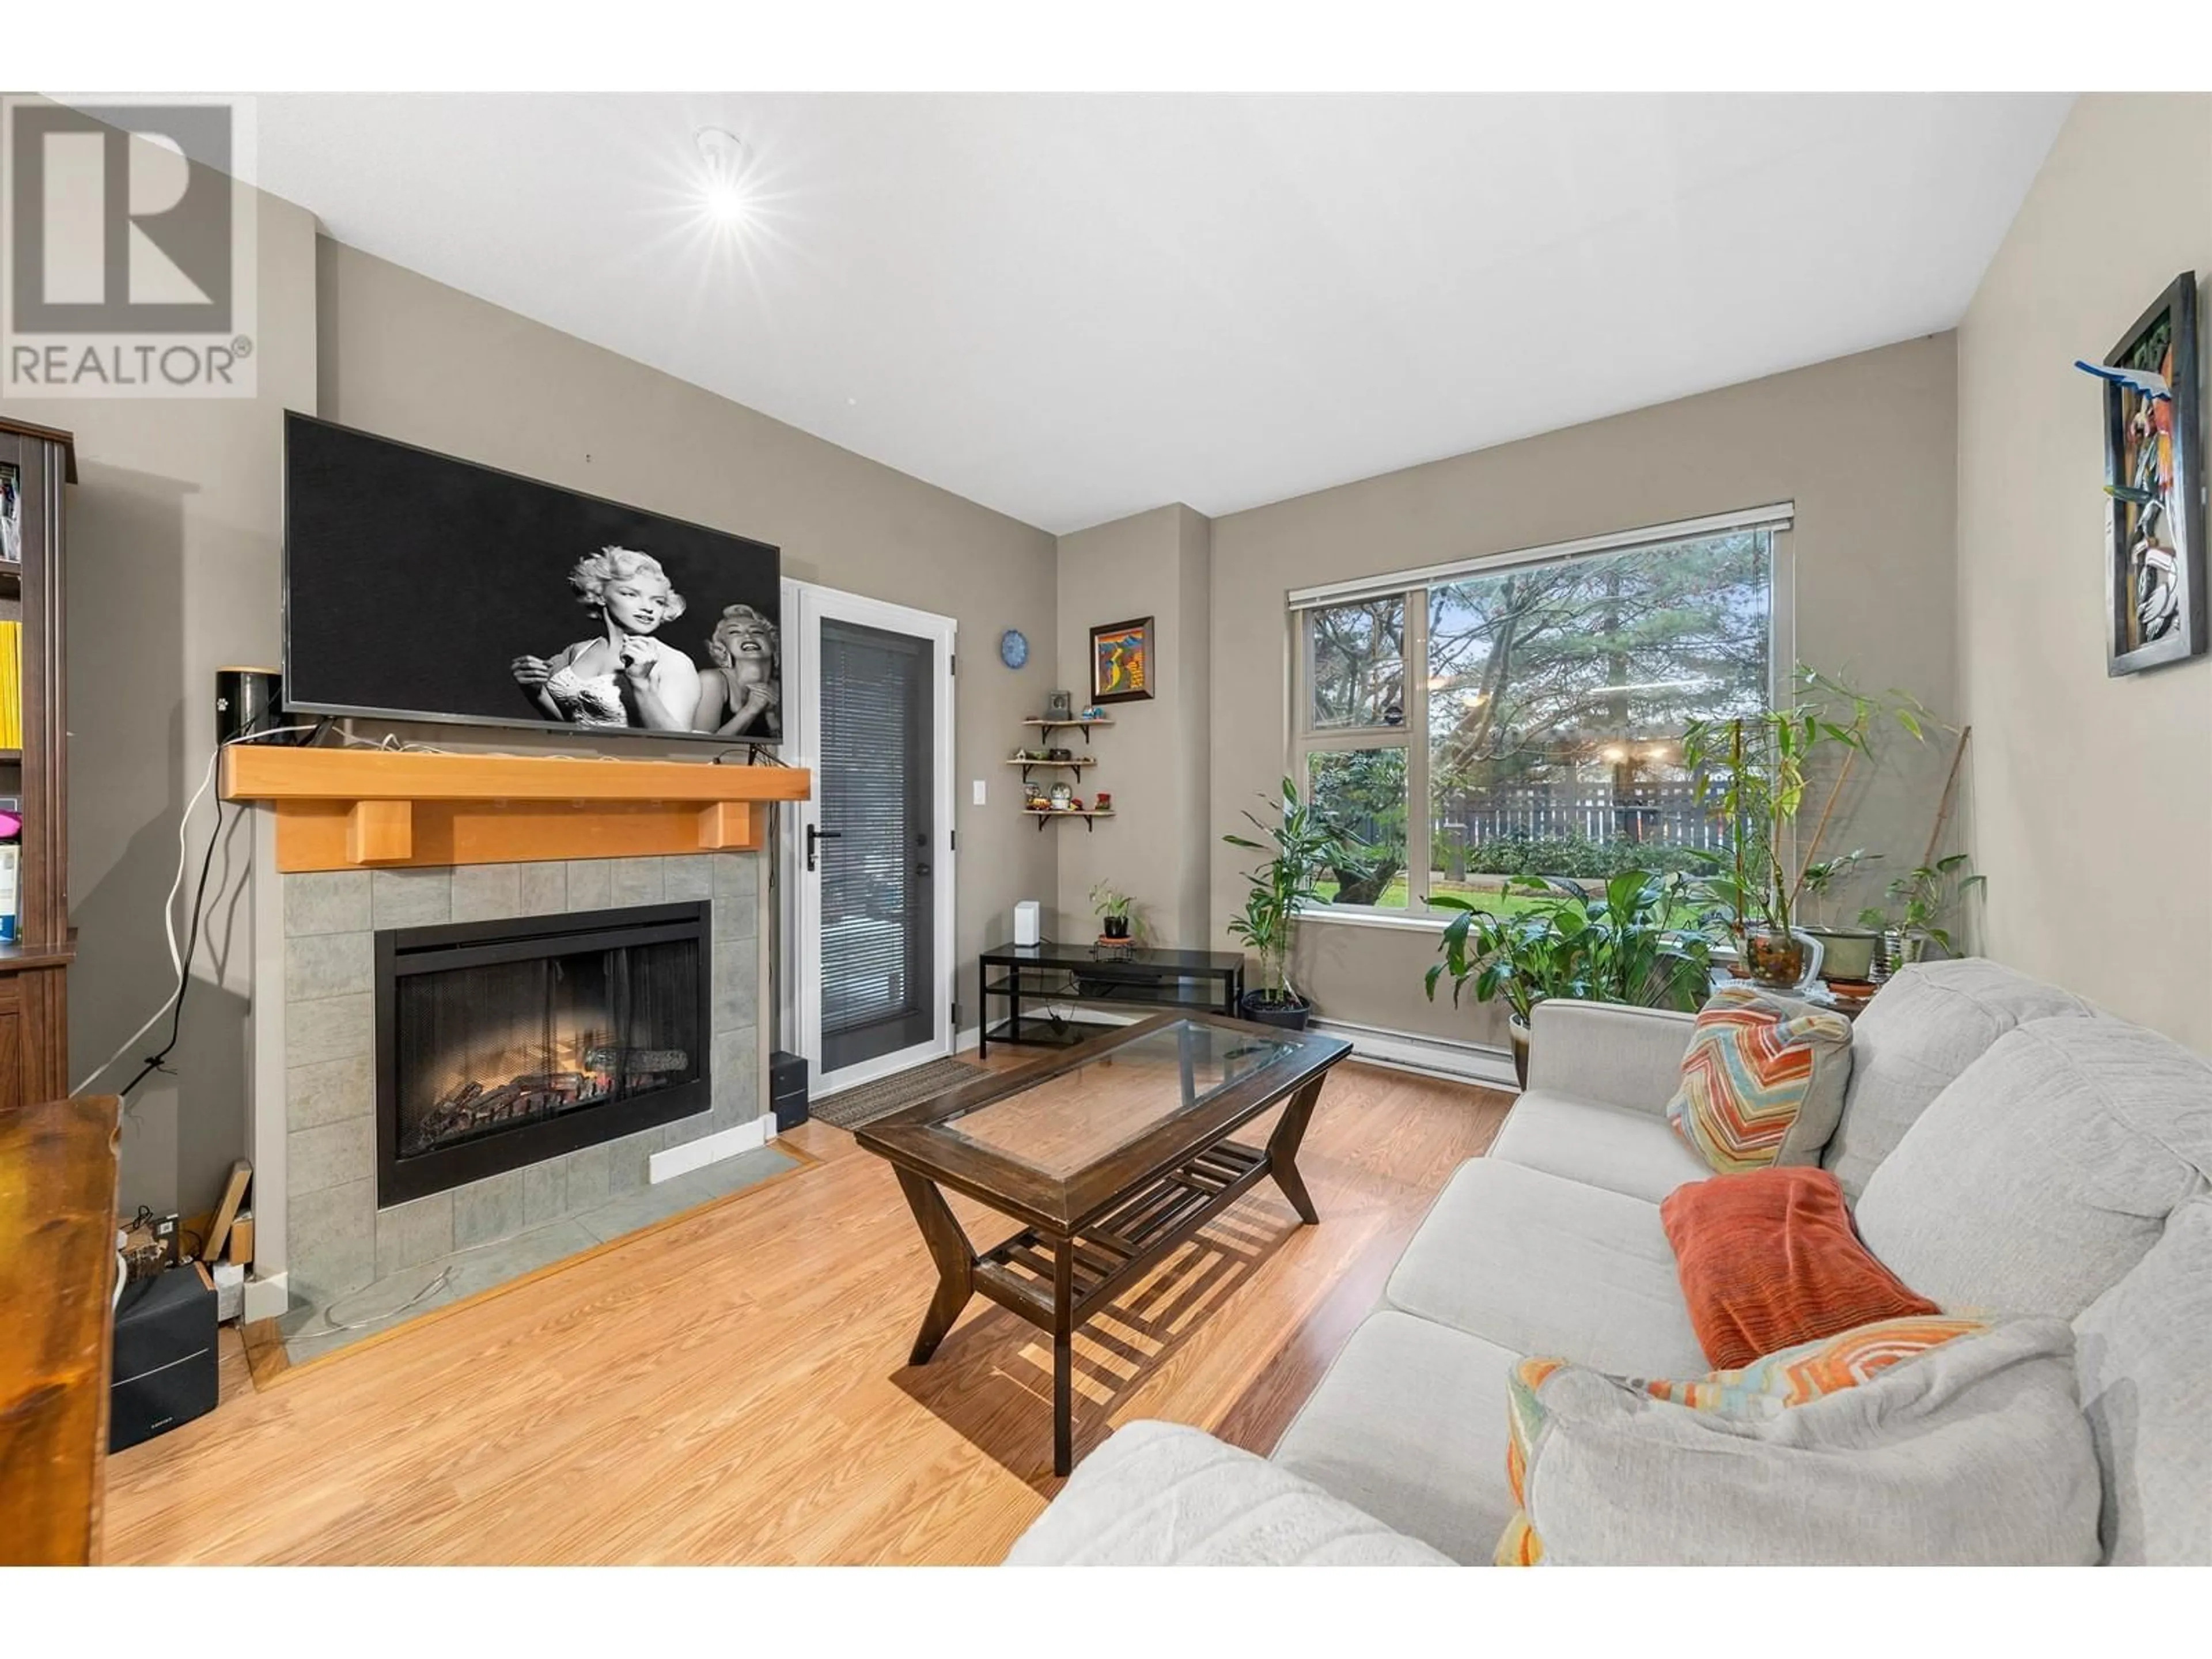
<point x="2154" y="568"/>
<point x="11" y="515"/>
<point x="1121" y="661"/>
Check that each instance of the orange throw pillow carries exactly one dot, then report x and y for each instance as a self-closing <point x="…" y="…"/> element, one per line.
<point x="1769" y="1260"/>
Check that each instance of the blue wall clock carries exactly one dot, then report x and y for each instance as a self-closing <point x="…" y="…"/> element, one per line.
<point x="1013" y="647"/>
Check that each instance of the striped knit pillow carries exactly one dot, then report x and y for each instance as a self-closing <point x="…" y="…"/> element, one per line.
<point x="1763" y="1080"/>
<point x="1765" y="1388"/>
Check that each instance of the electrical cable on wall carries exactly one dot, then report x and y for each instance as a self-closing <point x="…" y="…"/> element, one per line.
<point x="180" y="960"/>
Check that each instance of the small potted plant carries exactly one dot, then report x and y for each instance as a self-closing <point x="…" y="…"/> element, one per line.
<point x="1302" y="845"/>
<point x="1922" y="899"/>
<point x="1114" y="906"/>
<point x="1641" y="941"/>
<point x="1846" y="953"/>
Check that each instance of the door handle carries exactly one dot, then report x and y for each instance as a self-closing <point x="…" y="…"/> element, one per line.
<point x="921" y="870"/>
<point x="815" y="836"/>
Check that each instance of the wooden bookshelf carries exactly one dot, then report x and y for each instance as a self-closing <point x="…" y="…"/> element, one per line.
<point x="34" y="970"/>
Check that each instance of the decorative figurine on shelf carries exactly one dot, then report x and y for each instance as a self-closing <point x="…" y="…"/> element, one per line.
<point x="1063" y="798"/>
<point x="1058" y="705"/>
<point x="1102" y="802"/>
<point x="1094" y="713"/>
<point x="1061" y="756"/>
<point x="1034" y="799"/>
<point x="1075" y="803"/>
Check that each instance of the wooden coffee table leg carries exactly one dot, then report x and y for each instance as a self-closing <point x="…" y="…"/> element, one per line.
<point x="954" y="1255"/>
<point x="1283" y="1151"/>
<point x="1063" y="1355"/>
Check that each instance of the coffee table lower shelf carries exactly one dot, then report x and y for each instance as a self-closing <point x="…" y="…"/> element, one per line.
<point x="1108" y="1253"/>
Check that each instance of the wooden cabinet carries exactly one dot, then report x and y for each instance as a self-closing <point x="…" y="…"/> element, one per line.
<point x="37" y="464"/>
<point x="33" y="1031"/>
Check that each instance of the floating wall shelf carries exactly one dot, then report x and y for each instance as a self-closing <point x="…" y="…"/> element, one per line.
<point x="1063" y="812"/>
<point x="345" y="809"/>
<point x="1079" y="722"/>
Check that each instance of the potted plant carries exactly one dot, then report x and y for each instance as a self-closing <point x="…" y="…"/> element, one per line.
<point x="1641" y="941"/>
<point x="1846" y="953"/>
<point x="1755" y="766"/>
<point x="1923" y="898"/>
<point x="1301" y="845"/>
<point x="1113" y="906"/>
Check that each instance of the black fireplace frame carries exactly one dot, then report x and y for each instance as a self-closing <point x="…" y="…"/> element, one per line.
<point x="404" y="951"/>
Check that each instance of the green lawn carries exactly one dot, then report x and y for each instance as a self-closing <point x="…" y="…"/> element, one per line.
<point x="1488" y="894"/>
<point x="1486" y="891"/>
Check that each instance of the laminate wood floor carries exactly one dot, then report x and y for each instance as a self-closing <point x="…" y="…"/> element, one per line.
<point x="733" y="1387"/>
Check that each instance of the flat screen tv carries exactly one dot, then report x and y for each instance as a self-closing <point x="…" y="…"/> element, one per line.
<point x="421" y="587"/>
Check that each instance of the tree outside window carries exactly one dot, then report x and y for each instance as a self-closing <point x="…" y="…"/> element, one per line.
<point x="1550" y="722"/>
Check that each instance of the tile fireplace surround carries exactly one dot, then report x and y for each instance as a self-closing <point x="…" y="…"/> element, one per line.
<point x="315" y="1149"/>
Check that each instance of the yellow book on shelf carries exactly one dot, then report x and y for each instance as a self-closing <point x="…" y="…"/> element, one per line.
<point x="11" y="685"/>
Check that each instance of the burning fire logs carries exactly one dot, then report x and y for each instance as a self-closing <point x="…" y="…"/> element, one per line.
<point x="471" y="1109"/>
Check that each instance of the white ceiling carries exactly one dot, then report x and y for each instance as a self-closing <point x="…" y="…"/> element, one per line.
<point x="1074" y="308"/>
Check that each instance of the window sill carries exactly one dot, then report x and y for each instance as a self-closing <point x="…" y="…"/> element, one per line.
<point x="1412" y="921"/>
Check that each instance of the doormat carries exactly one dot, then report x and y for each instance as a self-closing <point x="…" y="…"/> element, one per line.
<point x="850" y="1107"/>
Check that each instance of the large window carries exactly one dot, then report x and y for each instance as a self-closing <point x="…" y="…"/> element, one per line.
<point x="1526" y="718"/>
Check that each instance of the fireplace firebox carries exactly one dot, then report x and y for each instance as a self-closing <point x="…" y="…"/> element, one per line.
<point x="503" y="1043"/>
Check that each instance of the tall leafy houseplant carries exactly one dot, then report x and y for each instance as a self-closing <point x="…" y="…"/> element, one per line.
<point x="1640" y="941"/>
<point x="1301" y="845"/>
<point x="1755" y="767"/>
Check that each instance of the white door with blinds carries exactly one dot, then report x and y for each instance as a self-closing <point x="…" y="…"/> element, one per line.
<point x="869" y="856"/>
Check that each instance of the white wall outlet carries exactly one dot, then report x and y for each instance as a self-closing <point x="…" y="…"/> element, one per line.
<point x="979" y="792"/>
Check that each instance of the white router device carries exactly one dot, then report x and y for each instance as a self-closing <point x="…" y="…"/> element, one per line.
<point x="1025" y="922"/>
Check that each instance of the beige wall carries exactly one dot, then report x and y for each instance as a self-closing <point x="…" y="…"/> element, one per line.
<point x="2092" y="797"/>
<point x="1865" y="447"/>
<point x="1154" y="756"/>
<point x="173" y="566"/>
<point x="175" y="563"/>
<point x="414" y="360"/>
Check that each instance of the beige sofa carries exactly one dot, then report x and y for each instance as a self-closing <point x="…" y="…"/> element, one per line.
<point x="2008" y="1149"/>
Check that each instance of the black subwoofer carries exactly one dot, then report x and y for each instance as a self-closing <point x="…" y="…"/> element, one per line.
<point x="164" y="1371"/>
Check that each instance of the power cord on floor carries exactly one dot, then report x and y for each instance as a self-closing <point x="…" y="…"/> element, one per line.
<point x="444" y="1278"/>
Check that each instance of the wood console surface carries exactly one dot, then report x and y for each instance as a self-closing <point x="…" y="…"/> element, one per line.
<point x="346" y="809"/>
<point x="57" y="1164"/>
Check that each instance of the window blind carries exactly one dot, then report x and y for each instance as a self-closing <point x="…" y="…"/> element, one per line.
<point x="875" y="688"/>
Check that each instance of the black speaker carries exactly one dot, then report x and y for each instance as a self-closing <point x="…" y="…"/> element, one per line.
<point x="248" y="700"/>
<point x="164" y="1370"/>
<point x="786" y="1089"/>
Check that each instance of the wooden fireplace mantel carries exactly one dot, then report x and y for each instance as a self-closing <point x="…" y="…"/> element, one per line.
<point x="350" y="809"/>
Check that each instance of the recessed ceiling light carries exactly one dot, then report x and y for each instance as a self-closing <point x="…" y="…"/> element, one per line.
<point x="723" y="187"/>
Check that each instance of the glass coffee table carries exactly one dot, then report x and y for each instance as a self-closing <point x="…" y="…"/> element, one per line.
<point x="1109" y="1154"/>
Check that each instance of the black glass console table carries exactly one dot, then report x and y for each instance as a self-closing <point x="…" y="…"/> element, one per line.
<point x="1097" y="975"/>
